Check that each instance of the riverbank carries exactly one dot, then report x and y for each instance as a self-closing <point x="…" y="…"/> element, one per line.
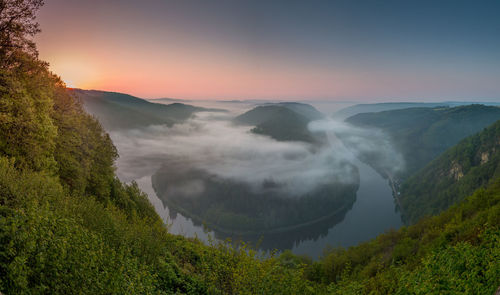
<point x="395" y="192"/>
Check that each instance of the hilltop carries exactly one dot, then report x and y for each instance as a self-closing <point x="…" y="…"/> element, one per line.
<point x="122" y="111"/>
<point x="389" y="106"/>
<point x="282" y="121"/>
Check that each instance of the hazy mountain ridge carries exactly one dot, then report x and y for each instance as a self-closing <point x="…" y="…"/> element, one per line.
<point x="168" y="99"/>
<point x="122" y="111"/>
<point x="389" y="106"/>
<point x="422" y="134"/>
<point x="380" y="107"/>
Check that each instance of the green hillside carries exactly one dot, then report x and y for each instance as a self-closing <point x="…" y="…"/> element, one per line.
<point x="422" y="134"/>
<point x="283" y="121"/>
<point x="456" y="252"/>
<point x="461" y="170"/>
<point x="122" y="111"/>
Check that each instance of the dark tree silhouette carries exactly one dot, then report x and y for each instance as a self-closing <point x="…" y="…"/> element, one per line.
<point x="17" y="27"/>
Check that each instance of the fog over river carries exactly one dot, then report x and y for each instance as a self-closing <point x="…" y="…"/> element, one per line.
<point x="210" y="143"/>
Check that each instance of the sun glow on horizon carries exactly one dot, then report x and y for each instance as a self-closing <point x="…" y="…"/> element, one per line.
<point x="75" y="72"/>
<point x="258" y="50"/>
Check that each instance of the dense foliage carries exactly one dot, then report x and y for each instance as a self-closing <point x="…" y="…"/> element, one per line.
<point x="422" y="134"/>
<point x="52" y="242"/>
<point x="471" y="164"/>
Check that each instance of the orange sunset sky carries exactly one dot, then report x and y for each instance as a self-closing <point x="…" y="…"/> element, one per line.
<point x="275" y="49"/>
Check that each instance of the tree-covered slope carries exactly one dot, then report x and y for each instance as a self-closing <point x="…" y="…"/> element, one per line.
<point x="422" y="134"/>
<point x="123" y="111"/>
<point x="462" y="169"/>
<point x="283" y="121"/>
<point x="456" y="252"/>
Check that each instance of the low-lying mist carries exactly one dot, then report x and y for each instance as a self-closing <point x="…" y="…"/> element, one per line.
<point x="367" y="144"/>
<point x="210" y="142"/>
<point x="229" y="152"/>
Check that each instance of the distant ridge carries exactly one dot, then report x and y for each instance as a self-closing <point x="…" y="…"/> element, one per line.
<point x="422" y="134"/>
<point x="122" y="111"/>
<point x="388" y="106"/>
<point x="168" y="99"/>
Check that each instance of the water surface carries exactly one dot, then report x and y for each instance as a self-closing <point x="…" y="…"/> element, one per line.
<point x="372" y="213"/>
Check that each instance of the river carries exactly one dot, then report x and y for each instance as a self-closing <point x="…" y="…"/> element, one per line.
<point x="372" y="213"/>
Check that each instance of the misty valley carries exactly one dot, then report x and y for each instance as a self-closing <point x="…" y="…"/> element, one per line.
<point x="278" y="175"/>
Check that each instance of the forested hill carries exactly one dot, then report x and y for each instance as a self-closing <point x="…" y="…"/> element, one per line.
<point x="389" y="106"/>
<point x="462" y="169"/>
<point x="283" y="121"/>
<point x="380" y="107"/>
<point x="123" y="111"/>
<point x="303" y="109"/>
<point x="422" y="134"/>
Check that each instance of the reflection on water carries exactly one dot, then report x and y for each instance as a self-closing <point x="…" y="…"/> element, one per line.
<point x="178" y="224"/>
<point x="372" y="213"/>
<point x="287" y="240"/>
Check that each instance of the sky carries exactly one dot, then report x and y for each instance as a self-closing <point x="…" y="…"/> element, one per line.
<point x="284" y="50"/>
